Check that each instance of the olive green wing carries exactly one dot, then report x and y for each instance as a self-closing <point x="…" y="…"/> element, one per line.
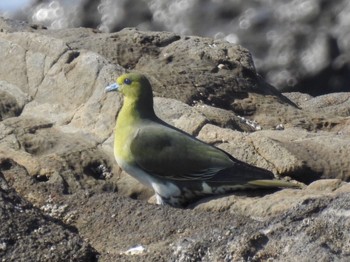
<point x="172" y="154"/>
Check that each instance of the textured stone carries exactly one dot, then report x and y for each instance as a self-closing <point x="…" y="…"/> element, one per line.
<point x="28" y="235"/>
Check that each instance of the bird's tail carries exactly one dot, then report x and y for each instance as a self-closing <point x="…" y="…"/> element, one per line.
<point x="275" y="183"/>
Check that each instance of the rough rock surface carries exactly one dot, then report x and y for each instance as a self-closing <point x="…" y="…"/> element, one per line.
<point x="56" y="127"/>
<point x="28" y="235"/>
<point x="297" y="45"/>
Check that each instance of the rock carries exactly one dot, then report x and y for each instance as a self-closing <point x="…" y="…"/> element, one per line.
<point x="297" y="45"/>
<point x="204" y="81"/>
<point x="239" y="227"/>
<point x="29" y="235"/>
<point x="56" y="146"/>
<point x="270" y="205"/>
<point x="236" y="87"/>
<point x="292" y="152"/>
<point x="13" y="100"/>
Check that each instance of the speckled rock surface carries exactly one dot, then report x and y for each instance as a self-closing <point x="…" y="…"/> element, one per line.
<point x="27" y="234"/>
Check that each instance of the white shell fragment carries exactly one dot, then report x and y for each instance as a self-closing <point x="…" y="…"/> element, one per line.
<point x="134" y="250"/>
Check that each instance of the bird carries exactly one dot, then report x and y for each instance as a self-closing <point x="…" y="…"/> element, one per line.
<point x="179" y="167"/>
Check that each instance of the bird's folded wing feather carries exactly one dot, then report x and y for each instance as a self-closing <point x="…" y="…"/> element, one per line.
<point x="171" y="154"/>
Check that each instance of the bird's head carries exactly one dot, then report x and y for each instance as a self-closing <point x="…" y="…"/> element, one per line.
<point x="134" y="86"/>
<point x="137" y="91"/>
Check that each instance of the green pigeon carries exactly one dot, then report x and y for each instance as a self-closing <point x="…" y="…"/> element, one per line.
<point x="177" y="166"/>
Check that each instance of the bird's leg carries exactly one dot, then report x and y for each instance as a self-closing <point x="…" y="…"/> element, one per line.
<point x="159" y="200"/>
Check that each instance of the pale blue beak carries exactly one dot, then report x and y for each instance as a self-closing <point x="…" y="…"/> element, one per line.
<point x="112" y="87"/>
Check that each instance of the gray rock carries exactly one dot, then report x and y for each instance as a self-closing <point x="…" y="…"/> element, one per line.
<point x="28" y="235"/>
<point x="288" y="225"/>
<point x="297" y="45"/>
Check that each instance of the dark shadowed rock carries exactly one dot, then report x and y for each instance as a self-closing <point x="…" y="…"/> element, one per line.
<point x="28" y="235"/>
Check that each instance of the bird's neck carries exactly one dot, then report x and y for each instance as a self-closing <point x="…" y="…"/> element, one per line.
<point x="135" y="110"/>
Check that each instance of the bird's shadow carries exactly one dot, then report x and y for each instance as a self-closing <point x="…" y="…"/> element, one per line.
<point x="247" y="193"/>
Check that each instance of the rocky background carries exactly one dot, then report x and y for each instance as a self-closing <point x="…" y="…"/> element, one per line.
<point x="64" y="198"/>
<point x="297" y="45"/>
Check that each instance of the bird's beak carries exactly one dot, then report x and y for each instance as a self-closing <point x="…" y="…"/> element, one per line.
<point x="112" y="87"/>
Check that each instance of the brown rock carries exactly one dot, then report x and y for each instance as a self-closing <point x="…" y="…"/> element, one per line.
<point x="28" y="235"/>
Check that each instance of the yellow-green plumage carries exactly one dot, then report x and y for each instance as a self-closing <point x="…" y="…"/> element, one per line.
<point x="131" y="115"/>
<point x="179" y="167"/>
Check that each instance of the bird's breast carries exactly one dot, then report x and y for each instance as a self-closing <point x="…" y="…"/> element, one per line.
<point x="122" y="139"/>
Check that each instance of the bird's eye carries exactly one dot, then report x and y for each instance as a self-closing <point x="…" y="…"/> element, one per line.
<point x="127" y="81"/>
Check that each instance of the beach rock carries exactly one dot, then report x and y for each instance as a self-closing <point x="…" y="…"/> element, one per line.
<point x="27" y="234"/>
<point x="297" y="45"/>
<point x="287" y="225"/>
<point x="56" y="146"/>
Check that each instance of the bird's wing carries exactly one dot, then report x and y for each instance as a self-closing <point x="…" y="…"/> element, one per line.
<point x="168" y="153"/>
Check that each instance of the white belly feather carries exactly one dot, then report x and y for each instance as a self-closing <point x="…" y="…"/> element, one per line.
<point x="161" y="188"/>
